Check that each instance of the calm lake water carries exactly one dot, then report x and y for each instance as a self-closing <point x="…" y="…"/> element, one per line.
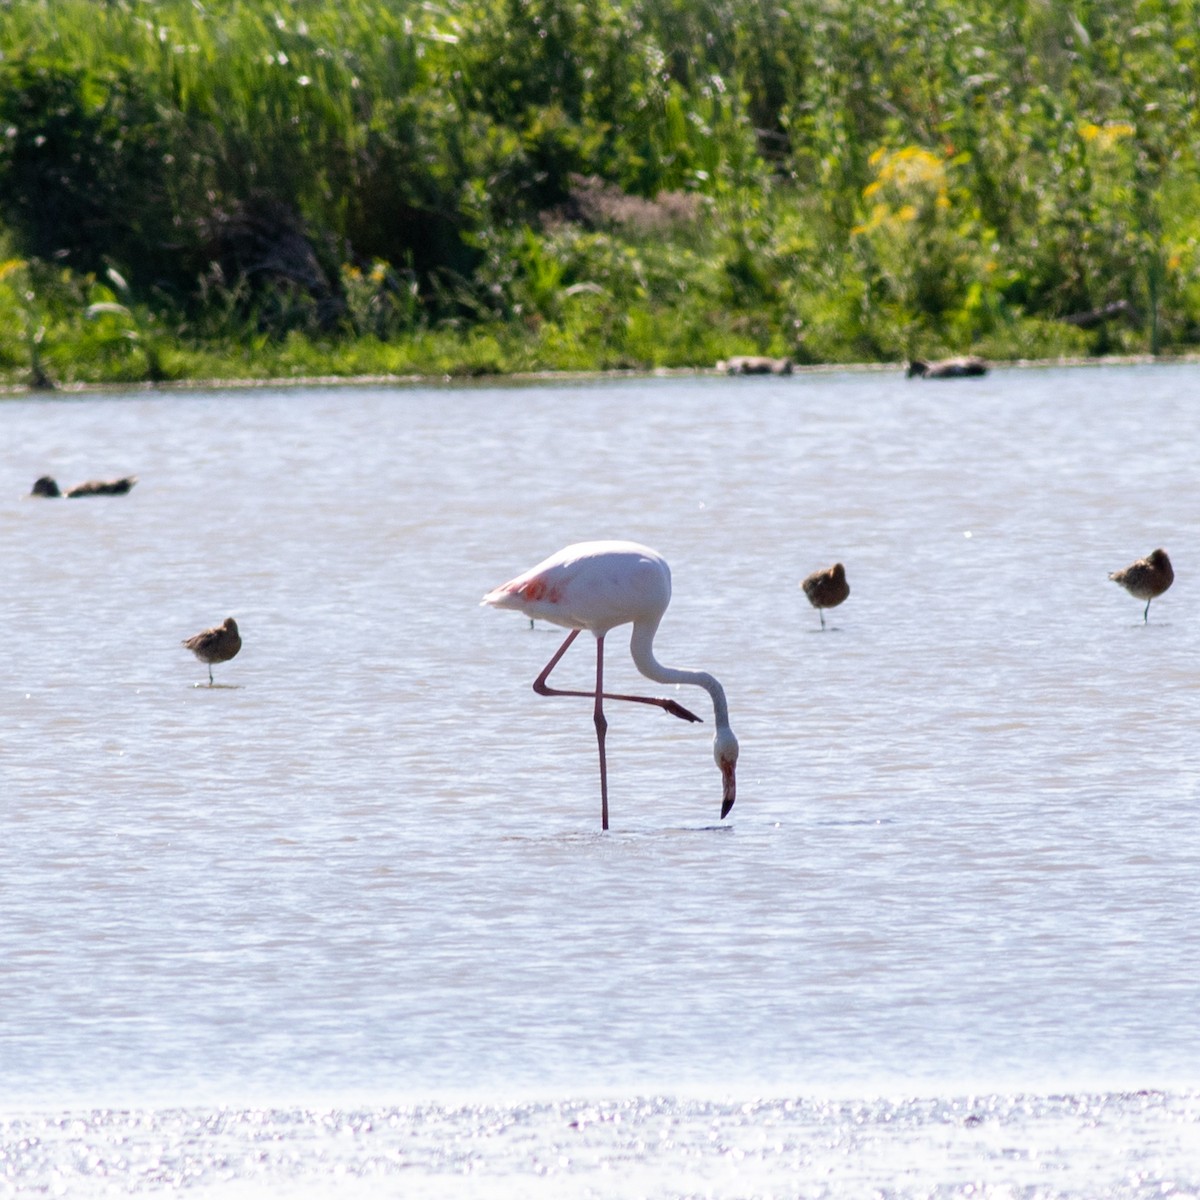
<point x="346" y="922"/>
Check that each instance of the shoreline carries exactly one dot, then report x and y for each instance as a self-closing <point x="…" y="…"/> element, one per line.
<point x="519" y="377"/>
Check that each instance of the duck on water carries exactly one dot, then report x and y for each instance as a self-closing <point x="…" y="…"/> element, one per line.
<point x="947" y="368"/>
<point x="47" y="486"/>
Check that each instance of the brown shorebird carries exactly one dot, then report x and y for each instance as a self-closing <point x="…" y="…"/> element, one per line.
<point x="215" y="645"/>
<point x="949" y="368"/>
<point x="826" y="589"/>
<point x="1146" y="578"/>
<point x="46" y="486"/>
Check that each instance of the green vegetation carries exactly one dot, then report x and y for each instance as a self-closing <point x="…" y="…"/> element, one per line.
<point x="218" y="188"/>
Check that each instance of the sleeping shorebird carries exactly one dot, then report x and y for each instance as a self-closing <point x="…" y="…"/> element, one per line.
<point x="1146" y="578"/>
<point x="826" y="589"/>
<point x="47" y="486"/>
<point x="216" y="645"/>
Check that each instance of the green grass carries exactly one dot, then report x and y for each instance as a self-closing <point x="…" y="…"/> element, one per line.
<point x="493" y="186"/>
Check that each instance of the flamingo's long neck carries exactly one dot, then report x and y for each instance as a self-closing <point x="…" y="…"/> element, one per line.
<point x="641" y="647"/>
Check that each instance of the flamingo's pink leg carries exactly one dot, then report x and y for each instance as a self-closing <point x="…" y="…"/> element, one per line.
<point x="543" y="689"/>
<point x="601" y="730"/>
<point x="539" y="684"/>
<point x="600" y="719"/>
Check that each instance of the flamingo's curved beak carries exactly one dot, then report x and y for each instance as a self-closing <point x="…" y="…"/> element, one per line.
<point x="730" y="788"/>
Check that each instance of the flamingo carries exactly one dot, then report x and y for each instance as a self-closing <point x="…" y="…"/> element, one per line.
<point x="597" y="586"/>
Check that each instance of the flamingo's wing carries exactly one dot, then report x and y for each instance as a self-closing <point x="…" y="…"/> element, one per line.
<point x="591" y="585"/>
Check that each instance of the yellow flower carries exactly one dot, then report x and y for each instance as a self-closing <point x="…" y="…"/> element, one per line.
<point x="906" y="182"/>
<point x="1108" y="135"/>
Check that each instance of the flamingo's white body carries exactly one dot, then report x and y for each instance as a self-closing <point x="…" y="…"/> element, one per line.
<point x="597" y="586"/>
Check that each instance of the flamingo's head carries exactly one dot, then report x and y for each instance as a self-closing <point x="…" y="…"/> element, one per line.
<point x="725" y="752"/>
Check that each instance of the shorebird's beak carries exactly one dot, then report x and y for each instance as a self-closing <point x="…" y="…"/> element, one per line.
<point x="730" y="793"/>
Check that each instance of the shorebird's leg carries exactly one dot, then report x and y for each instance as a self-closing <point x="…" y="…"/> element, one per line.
<point x="1146" y="614"/>
<point x="210" y="678"/>
<point x="601" y="730"/>
<point x="543" y="689"/>
<point x="822" y="616"/>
